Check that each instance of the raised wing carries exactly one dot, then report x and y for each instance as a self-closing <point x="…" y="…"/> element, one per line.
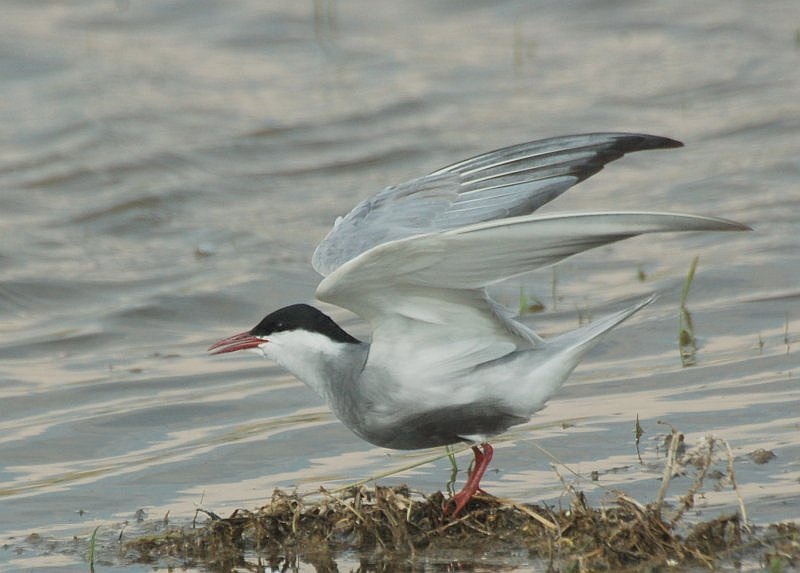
<point x="508" y="182"/>
<point x="414" y="277"/>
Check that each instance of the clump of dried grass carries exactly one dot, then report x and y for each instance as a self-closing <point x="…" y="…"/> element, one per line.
<point x="397" y="524"/>
<point x="392" y="525"/>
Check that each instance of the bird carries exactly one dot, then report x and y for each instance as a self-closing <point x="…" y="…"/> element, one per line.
<point x="447" y="364"/>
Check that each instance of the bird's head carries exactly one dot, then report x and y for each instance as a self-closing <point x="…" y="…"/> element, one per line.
<point x="298" y="321"/>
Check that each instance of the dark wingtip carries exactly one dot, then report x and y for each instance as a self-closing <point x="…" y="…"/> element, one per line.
<point x="610" y="146"/>
<point x="643" y="141"/>
<point x="670" y="143"/>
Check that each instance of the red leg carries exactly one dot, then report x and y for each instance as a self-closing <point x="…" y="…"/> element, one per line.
<point x="473" y="485"/>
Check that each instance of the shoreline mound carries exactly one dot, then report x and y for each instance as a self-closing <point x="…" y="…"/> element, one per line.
<point x="393" y="525"/>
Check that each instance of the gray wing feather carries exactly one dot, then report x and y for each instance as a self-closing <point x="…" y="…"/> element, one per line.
<point x="470" y="258"/>
<point x="508" y="182"/>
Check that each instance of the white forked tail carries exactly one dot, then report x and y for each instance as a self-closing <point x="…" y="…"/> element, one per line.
<point x="578" y="342"/>
<point x="566" y="351"/>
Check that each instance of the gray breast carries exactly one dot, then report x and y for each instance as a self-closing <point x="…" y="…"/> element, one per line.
<point x="442" y="426"/>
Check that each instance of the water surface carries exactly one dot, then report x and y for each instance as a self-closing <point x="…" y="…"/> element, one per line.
<point x="166" y="169"/>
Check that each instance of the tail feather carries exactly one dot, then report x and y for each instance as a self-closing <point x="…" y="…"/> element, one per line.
<point x="581" y="340"/>
<point x="560" y="357"/>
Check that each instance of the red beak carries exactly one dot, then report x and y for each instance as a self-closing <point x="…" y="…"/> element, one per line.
<point x="241" y="341"/>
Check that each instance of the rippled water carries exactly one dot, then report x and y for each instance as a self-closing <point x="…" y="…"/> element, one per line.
<point x="166" y="169"/>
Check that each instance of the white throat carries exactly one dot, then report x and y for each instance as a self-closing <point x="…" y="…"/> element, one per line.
<point x="316" y="359"/>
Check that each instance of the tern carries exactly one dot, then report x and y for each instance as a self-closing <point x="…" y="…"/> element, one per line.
<point x="446" y="363"/>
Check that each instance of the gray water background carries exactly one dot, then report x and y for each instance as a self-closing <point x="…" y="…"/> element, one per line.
<point x="166" y="169"/>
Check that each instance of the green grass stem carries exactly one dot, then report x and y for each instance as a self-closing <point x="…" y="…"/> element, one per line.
<point x="90" y="555"/>
<point x="687" y="343"/>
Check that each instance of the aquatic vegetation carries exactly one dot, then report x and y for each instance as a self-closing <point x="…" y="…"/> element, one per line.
<point x="687" y="343"/>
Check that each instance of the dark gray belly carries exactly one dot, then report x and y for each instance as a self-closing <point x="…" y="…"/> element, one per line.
<point x="442" y="426"/>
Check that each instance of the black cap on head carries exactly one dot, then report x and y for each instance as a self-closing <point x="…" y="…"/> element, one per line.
<point x="301" y="316"/>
